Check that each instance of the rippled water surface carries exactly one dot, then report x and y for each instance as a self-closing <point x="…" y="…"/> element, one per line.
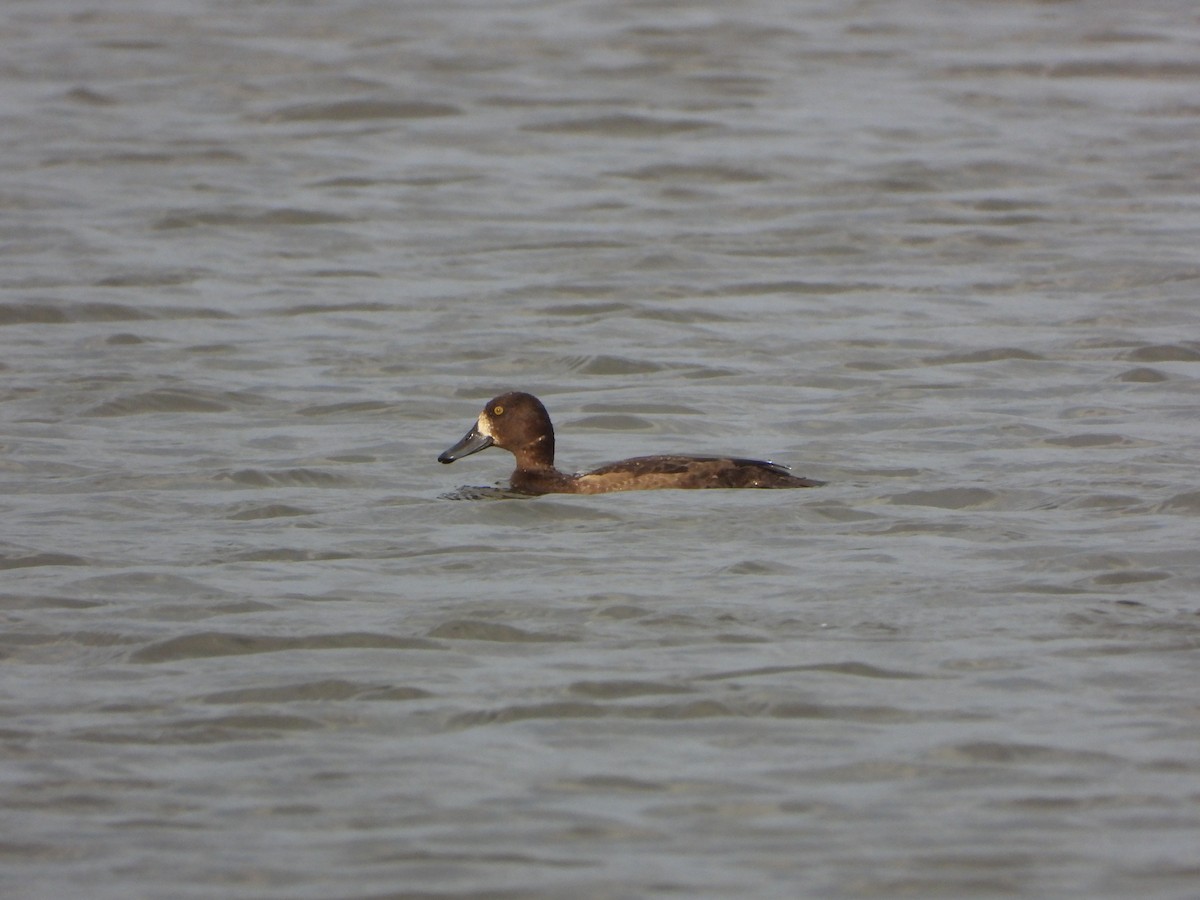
<point x="262" y="262"/>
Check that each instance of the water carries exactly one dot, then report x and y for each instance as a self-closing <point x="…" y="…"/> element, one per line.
<point x="263" y="262"/>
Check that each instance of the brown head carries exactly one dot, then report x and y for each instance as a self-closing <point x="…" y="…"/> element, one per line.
<point x="516" y="422"/>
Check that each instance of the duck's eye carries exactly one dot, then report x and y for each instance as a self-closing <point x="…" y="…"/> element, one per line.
<point x="497" y="410"/>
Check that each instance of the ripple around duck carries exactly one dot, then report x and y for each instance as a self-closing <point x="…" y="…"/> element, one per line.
<point x="1134" y="577"/>
<point x="518" y="713"/>
<point x="948" y="498"/>
<point x="858" y="669"/>
<point x="701" y="172"/>
<point x="476" y="630"/>
<point x="353" y="409"/>
<point x="137" y="582"/>
<point x="610" y="365"/>
<point x="328" y="689"/>
<point x="848" y="713"/>
<point x="135" y="277"/>
<point x="581" y="309"/>
<point x="823" y="288"/>
<point x="250" y="512"/>
<point x="622" y="126"/>
<point x="36" y="601"/>
<point x="758" y="567"/>
<point x="1143" y="375"/>
<point x="994" y="354"/>
<point x="298" y="477"/>
<point x="231" y="217"/>
<point x="42" y="313"/>
<point x="618" y="689"/>
<point x="614" y="422"/>
<point x="483" y="492"/>
<point x="1095" y="440"/>
<point x="34" y="560"/>
<point x="205" y="731"/>
<point x="701" y="708"/>
<point x="1185" y="352"/>
<point x="171" y="400"/>
<point x="1098" y="68"/>
<point x="288" y="554"/>
<point x="1187" y="503"/>
<point x="360" y="109"/>
<point x="216" y="643"/>
<point x="991" y="752"/>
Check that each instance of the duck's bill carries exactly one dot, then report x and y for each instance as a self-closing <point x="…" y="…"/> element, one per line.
<point x="474" y="441"/>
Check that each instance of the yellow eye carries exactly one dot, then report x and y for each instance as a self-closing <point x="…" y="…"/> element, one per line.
<point x="497" y="410"/>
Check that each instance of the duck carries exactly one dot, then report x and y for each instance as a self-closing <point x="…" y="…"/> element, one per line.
<point x="518" y="422"/>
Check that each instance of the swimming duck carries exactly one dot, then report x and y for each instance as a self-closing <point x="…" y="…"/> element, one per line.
<point x="518" y="422"/>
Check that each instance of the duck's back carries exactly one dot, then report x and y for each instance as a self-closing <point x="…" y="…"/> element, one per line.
<point x="688" y="472"/>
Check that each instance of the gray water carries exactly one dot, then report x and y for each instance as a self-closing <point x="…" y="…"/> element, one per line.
<point x="263" y="261"/>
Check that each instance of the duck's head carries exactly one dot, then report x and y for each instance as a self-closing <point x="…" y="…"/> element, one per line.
<point x="516" y="422"/>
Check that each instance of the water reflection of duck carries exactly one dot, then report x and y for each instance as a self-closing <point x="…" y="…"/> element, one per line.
<point x="518" y="422"/>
